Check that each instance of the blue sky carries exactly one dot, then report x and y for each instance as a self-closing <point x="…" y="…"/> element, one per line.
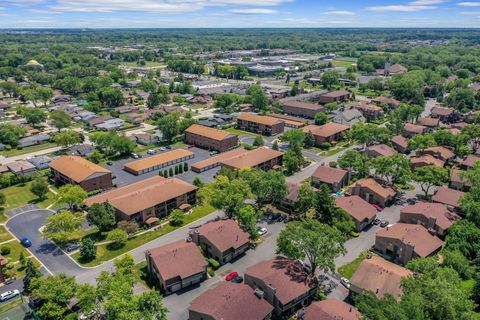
<point x="237" y="13"/>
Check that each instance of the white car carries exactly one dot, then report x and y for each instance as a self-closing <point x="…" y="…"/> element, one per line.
<point x="9" y="295"/>
<point x="262" y="231"/>
<point x="345" y="282"/>
<point x="151" y="151"/>
<point x="88" y="315"/>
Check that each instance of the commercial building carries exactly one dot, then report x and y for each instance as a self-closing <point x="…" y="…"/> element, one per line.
<point x="362" y="212"/>
<point x="301" y="109"/>
<point x="158" y="161"/>
<point x="261" y="158"/>
<point x="433" y="216"/>
<point x="264" y="125"/>
<point x="209" y="138"/>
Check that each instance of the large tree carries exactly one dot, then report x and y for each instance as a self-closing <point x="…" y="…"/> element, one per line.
<point x="62" y="227"/>
<point x="34" y="116"/>
<point x="257" y="97"/>
<point x="430" y="176"/>
<point x="60" y="119"/>
<point x="267" y="186"/>
<point x="72" y="195"/>
<point x="102" y="215"/>
<point x="67" y="138"/>
<point x="472" y="135"/>
<point x="39" y="187"/>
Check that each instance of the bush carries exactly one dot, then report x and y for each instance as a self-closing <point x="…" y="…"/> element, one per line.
<point x="165" y="173"/>
<point x="170" y="172"/>
<point x="213" y="263"/>
<point x="325" y="146"/>
<point x="88" y="250"/>
<point x="176" y="218"/>
<point x="185" y="167"/>
<point x="180" y="169"/>
<point x="176" y="170"/>
<point x="211" y="272"/>
<point x="118" y="238"/>
<point x="129" y="227"/>
<point x="5" y="249"/>
<point x="333" y="164"/>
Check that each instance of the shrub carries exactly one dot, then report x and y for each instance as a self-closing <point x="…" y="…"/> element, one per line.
<point x="213" y="263"/>
<point x="325" y="146"/>
<point x="176" y="218"/>
<point x="118" y="238"/>
<point x="180" y="169"/>
<point x="211" y="272"/>
<point x="5" y="249"/>
<point x="129" y="227"/>
<point x="170" y="172"/>
<point x="333" y="164"/>
<point x="165" y="173"/>
<point x="88" y="250"/>
<point x="185" y="167"/>
<point x="176" y="170"/>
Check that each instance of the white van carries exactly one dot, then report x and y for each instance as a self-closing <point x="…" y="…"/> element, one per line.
<point x="9" y="295"/>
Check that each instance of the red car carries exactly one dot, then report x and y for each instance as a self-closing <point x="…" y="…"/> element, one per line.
<point x="377" y="207"/>
<point x="231" y="275"/>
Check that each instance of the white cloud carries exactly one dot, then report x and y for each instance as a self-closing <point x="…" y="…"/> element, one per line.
<point x="339" y="13"/>
<point x="469" y="4"/>
<point x="400" y="8"/>
<point x="426" y="2"/>
<point x="253" y="11"/>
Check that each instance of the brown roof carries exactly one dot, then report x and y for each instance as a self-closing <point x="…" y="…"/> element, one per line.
<point x="427" y="121"/>
<point x="448" y="196"/>
<point x="396" y="68"/>
<point x="326" y="130"/>
<point x="358" y="208"/>
<point x="224" y="234"/>
<point x="331" y="309"/>
<point x="252" y="158"/>
<point x="458" y="176"/>
<point x="266" y="120"/>
<point x="400" y="141"/>
<point x="210" y="133"/>
<point x="441" y="111"/>
<point x="293" y="189"/>
<point x="442" y="152"/>
<point x="98" y="120"/>
<point x="289" y="120"/>
<point x="444" y="218"/>
<point x="231" y="301"/>
<point x="424" y="242"/>
<point x="414" y="128"/>
<point x="302" y="105"/>
<point x="77" y="168"/>
<point x="143" y="194"/>
<point x="329" y="175"/>
<point x="380" y="276"/>
<point x="218" y="158"/>
<point x="336" y="94"/>
<point x="470" y="161"/>
<point x="178" y="259"/>
<point x="375" y="187"/>
<point x="428" y="160"/>
<point x="385" y="100"/>
<point x="382" y="149"/>
<point x="367" y="107"/>
<point x="142" y="164"/>
<point x="19" y="166"/>
<point x="285" y="275"/>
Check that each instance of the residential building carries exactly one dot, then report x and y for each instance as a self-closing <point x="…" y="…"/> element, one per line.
<point x="379" y="276"/>
<point x="126" y="109"/>
<point x="433" y="216"/>
<point x="449" y="197"/>
<point x="335" y="178"/>
<point x="348" y="117"/>
<point x="40" y="162"/>
<point x="290" y="122"/>
<point x="176" y="266"/>
<point x="330" y="309"/>
<point x="400" y="144"/>
<point x="330" y="132"/>
<point x="216" y="160"/>
<point x="83" y="150"/>
<point x="148" y="200"/>
<point x="263" y="125"/>
<point x="146" y="139"/>
<point x="79" y="171"/>
<point x="288" y="203"/>
<point x="210" y="138"/>
<point x="261" y="158"/>
<point x="369" y="111"/>
<point x="158" y="161"/>
<point x="391" y="70"/>
<point x="380" y="150"/>
<point x="222" y="240"/>
<point x="390" y="102"/>
<point x="459" y="181"/>
<point x="362" y="212"/>
<point x="441" y="153"/>
<point x="334" y="96"/>
<point x="136" y="118"/>
<point x="112" y="124"/>
<point x="373" y="192"/>
<point x="444" y="114"/>
<point x="21" y="168"/>
<point x="428" y="122"/>
<point x="33" y="140"/>
<point x="301" y="109"/>
<point x="283" y="283"/>
<point x="98" y="120"/>
<point x="426" y="160"/>
<point x="229" y="301"/>
<point x="414" y="129"/>
<point x="469" y="161"/>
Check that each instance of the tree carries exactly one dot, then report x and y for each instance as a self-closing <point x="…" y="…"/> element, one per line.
<point x="111" y="98"/>
<point x="275" y="145"/>
<point x="118" y="238"/>
<point x="102" y="215"/>
<point x="125" y="265"/>
<point x="3" y="199"/>
<point x="267" y="186"/>
<point x="430" y="176"/>
<point x="472" y="135"/>
<point x="421" y="142"/>
<point x="325" y="204"/>
<point x="34" y="116"/>
<point x="464" y="236"/>
<point x="293" y="159"/>
<point x="470" y="202"/>
<point x="257" y="97"/>
<point x="247" y="217"/>
<point x="39" y="187"/>
<point x="60" y="119"/>
<point x="62" y="227"/>
<point x="197" y="182"/>
<point x="88" y="250"/>
<point x="129" y="226"/>
<point x="112" y="144"/>
<point x="321" y="118"/>
<point x="10" y="134"/>
<point x="176" y="217"/>
<point x="307" y="199"/>
<point x="356" y="162"/>
<point x="330" y="79"/>
<point x="22" y="259"/>
<point x="368" y="133"/>
<point x="67" y="138"/>
<point x="319" y="243"/>
<point x="294" y="137"/>
<point x="31" y="273"/>
<point x="309" y="141"/>
<point x="258" y="142"/>
<point x="87" y="297"/>
<point x="72" y="195"/>
<point x="168" y="125"/>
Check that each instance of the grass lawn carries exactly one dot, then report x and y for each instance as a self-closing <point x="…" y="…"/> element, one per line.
<point x="334" y="150"/>
<point x="342" y="63"/>
<point x="4" y="234"/>
<point x="349" y="269"/>
<point x="142" y="271"/>
<point x="21" y="195"/>
<point x="105" y="253"/>
<point x="10" y="305"/>
<point x="15" y="249"/>
<point x="180" y="144"/>
<point x="241" y="132"/>
<point x="16" y="152"/>
<point x="148" y="64"/>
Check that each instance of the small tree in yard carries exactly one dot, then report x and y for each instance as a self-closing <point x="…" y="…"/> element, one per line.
<point x="88" y="250"/>
<point x="72" y="195"/>
<point x="197" y="182"/>
<point x="31" y="272"/>
<point x="258" y="142"/>
<point x="22" y="259"/>
<point x="118" y="238"/>
<point x="39" y="187"/>
<point x="170" y="172"/>
<point x="176" y="170"/>
<point x="129" y="227"/>
<point x="180" y="169"/>
<point x="61" y="227"/>
<point x="185" y="167"/>
<point x="176" y="217"/>
<point x="430" y="176"/>
<point x="165" y="173"/>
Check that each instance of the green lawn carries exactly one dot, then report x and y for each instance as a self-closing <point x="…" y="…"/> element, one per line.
<point x="105" y="253"/>
<point x="148" y="64"/>
<point x="342" y="63"/>
<point x="334" y="150"/>
<point x="4" y="234"/>
<point x="142" y="271"/>
<point x="15" y="152"/>
<point x="241" y="132"/>
<point x="10" y="305"/>
<point x="21" y="195"/>
<point x="349" y="269"/>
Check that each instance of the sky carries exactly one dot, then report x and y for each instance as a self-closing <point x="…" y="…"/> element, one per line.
<point x="238" y="13"/>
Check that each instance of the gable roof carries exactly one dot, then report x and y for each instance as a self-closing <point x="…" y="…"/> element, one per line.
<point x="376" y="188"/>
<point x="224" y="234"/>
<point x="358" y="208"/>
<point x="266" y="120"/>
<point x="414" y="128"/>
<point x="439" y="111"/>
<point x="382" y="149"/>
<point x="210" y="133"/>
<point x="428" y="160"/>
<point x="427" y="121"/>
<point x="331" y="309"/>
<point x="448" y="196"/>
<point x="470" y="161"/>
<point x="329" y="175"/>
<point x="443" y="152"/>
<point x="77" y="168"/>
<point x="400" y="141"/>
<point x="326" y="130"/>
<point x="251" y="158"/>
<point x="444" y="218"/>
<point x="336" y="94"/>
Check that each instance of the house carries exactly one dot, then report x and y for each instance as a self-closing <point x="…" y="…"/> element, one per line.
<point x="290" y="122"/>
<point x="469" y="161"/>
<point x="426" y="160"/>
<point x="428" y="122"/>
<point x="348" y="117"/>
<point x="98" y="120"/>
<point x="33" y="140"/>
<point x="83" y="150"/>
<point x="369" y="111"/>
<point x="222" y="240"/>
<point x="79" y="171"/>
<point x="21" y="168"/>
<point x="458" y="181"/>
<point x="146" y="139"/>
<point x="335" y="178"/>
<point x="380" y="150"/>
<point x="263" y="125"/>
<point x="288" y="203"/>
<point x="301" y="109"/>
<point x="229" y="301"/>
<point x="176" y="266"/>
<point x="261" y="158"/>
<point x="400" y="143"/>
<point x="441" y="153"/>
<point x="283" y="283"/>
<point x="110" y="125"/>
<point x="414" y="129"/>
<point x="158" y="161"/>
<point x="334" y="96"/>
<point x="329" y="132"/>
<point x="373" y="192"/>
<point x="209" y="138"/>
<point x="40" y="162"/>
<point x="449" y="197"/>
<point x="391" y="70"/>
<point x="148" y="200"/>
<point x="362" y="212"/>
<point x="444" y="114"/>
<point x="126" y="109"/>
<point x="404" y="242"/>
<point x="379" y="276"/>
<point x="390" y="102"/>
<point x="330" y="309"/>
<point x="136" y="118"/>
<point x="216" y="160"/>
<point x="433" y="216"/>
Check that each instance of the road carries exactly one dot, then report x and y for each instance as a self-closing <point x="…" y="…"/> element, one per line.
<point x="4" y="160"/>
<point x="429" y="104"/>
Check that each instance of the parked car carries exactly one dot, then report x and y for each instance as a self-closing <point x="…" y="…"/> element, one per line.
<point x="384" y="223"/>
<point x="26" y="242"/>
<point x="87" y="315"/>
<point x="345" y="282"/>
<point x="377" y="207"/>
<point x="135" y="156"/>
<point x="190" y="146"/>
<point x="9" y="295"/>
<point x="238" y="279"/>
<point x="162" y="149"/>
<point x="212" y="153"/>
<point x="151" y="151"/>
<point x="72" y="246"/>
<point x="262" y="231"/>
<point x="376" y="221"/>
<point x="110" y="163"/>
<point x="232" y="275"/>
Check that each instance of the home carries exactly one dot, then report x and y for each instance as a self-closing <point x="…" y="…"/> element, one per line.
<point x="469" y="161"/>
<point x="441" y="153"/>
<point x="301" y="109"/>
<point x="448" y="197"/>
<point x="362" y="212"/>
<point x="390" y="102"/>
<point x="373" y="192"/>
<point x="380" y="150"/>
<point x="444" y="114"/>
<point x="222" y="240"/>
<point x="158" y="161"/>
<point x="391" y="70"/>
<point x="263" y="125"/>
<point x="400" y="143"/>
<point x="79" y="171"/>
<point x="348" y="117"/>
<point x="136" y="118"/>
<point x="83" y="150"/>
<point x="40" y="162"/>
<point x="110" y="125"/>
<point x="283" y="283"/>
<point x="212" y="139"/>
<point x="33" y="140"/>
<point x="330" y="309"/>
<point x="98" y="120"/>
<point x="369" y="111"/>
<point x="379" y="276"/>
<point x="176" y="266"/>
<point x="330" y="132"/>
<point x="426" y="160"/>
<point x="288" y="203"/>
<point x="334" y="96"/>
<point x="414" y="129"/>
<point x="404" y="242"/>
<point x="335" y="178"/>
<point x="291" y="122"/>
<point x="459" y="181"/>
<point x="229" y="301"/>
<point x="433" y="216"/>
<point x="216" y="160"/>
<point x="21" y="168"/>
<point x="146" y="139"/>
<point x="428" y="122"/>
<point x="261" y="158"/>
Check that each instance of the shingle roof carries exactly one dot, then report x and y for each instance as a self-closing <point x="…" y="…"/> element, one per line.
<point x="211" y="133"/>
<point x="336" y="94"/>
<point x="331" y="309"/>
<point x="414" y="128"/>
<point x="375" y="187"/>
<point x="224" y="234"/>
<point x="76" y="168"/>
<point x="429" y="122"/>
<point x="470" y="161"/>
<point x="401" y="141"/>
<point x="382" y="149"/>
<point x="142" y="164"/>
<point x="427" y="159"/>
<point x="326" y="130"/>
<point x="444" y="218"/>
<point x="329" y="175"/>
<point x="266" y="120"/>
<point x="443" y="152"/>
<point x="448" y="196"/>
<point x="441" y="111"/>
<point x="252" y="158"/>
<point x="358" y="208"/>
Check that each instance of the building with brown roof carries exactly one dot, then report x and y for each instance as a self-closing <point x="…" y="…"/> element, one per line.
<point x="379" y="276"/>
<point x="261" y="158"/>
<point x="441" y="153"/>
<point x="301" y="109"/>
<point x="444" y="114"/>
<point x="263" y="125"/>
<point x="433" y="216"/>
<point x="334" y="96"/>
<point x="391" y="70"/>
<point x="373" y="192"/>
<point x="158" y="161"/>
<point x="392" y="103"/>
<point x="216" y="160"/>
<point x="176" y="266"/>
<point x="459" y="181"/>
<point x="400" y="143"/>
<point x="283" y="283"/>
<point x="229" y="301"/>
<point x="330" y="309"/>
<point x="79" y="171"/>
<point x="222" y="240"/>
<point x="413" y="129"/>
<point x="448" y="196"/>
<point x="362" y="212"/>
<point x="428" y="122"/>
<point x="288" y="203"/>
<point x="145" y="139"/>
<point x="404" y="242"/>
<point x="335" y="178"/>
<point x="370" y="111"/>
<point x="210" y="138"/>
<point x="380" y="150"/>
<point x="154" y="197"/>
<point x="426" y="160"/>
<point x="290" y="122"/>
<point x="21" y="168"/>
<point x="469" y="161"/>
<point x="329" y="132"/>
